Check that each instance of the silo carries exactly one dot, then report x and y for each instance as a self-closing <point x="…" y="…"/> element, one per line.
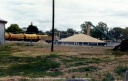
<point x="2" y="31"/>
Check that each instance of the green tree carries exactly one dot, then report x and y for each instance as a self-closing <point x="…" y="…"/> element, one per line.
<point x="70" y="31"/>
<point x="84" y="27"/>
<point x="125" y="33"/>
<point x="63" y="34"/>
<point x="116" y="32"/>
<point x="55" y="32"/>
<point x="95" y="30"/>
<point x="14" y="28"/>
<point x="48" y="33"/>
<point x="98" y="34"/>
<point x="32" y="29"/>
<point x="41" y="32"/>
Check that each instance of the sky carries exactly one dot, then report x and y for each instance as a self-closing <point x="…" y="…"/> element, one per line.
<point x="68" y="13"/>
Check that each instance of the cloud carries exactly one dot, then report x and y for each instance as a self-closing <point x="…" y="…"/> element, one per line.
<point x="68" y="13"/>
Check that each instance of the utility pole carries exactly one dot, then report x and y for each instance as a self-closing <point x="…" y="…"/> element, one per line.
<point x="53" y="16"/>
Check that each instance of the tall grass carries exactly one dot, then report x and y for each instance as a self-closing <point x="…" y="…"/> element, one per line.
<point x="120" y="70"/>
<point x="84" y="69"/>
<point x="108" y="77"/>
<point x="29" y="66"/>
<point x="5" y="49"/>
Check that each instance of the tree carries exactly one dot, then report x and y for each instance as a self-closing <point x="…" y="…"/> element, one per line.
<point x="94" y="32"/>
<point x="116" y="32"/>
<point x="41" y="32"/>
<point x="70" y="31"/>
<point x="98" y="34"/>
<point x="14" y="28"/>
<point x="125" y="33"/>
<point x="48" y="33"/>
<point x="32" y="29"/>
<point x="55" y="32"/>
<point x="63" y="34"/>
<point x="84" y="27"/>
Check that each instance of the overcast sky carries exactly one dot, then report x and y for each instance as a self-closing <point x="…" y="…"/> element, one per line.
<point x="68" y="13"/>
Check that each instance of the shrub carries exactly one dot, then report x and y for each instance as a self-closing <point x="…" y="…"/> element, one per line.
<point x="108" y="77"/>
<point x="120" y="70"/>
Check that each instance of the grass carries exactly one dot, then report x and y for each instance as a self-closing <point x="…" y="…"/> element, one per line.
<point x="72" y="61"/>
<point x="108" y="77"/>
<point x="75" y="64"/>
<point x="119" y="53"/>
<point x="21" y="60"/>
<point x="26" y="66"/>
<point x="120" y="70"/>
<point x="29" y="67"/>
<point x="84" y="69"/>
<point x="5" y="49"/>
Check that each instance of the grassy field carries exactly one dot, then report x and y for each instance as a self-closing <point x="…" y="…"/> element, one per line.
<point x="19" y="61"/>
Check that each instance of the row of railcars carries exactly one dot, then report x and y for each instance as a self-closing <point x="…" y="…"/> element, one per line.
<point x="26" y="37"/>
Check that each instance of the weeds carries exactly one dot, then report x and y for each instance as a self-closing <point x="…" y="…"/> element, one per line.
<point x="29" y="66"/>
<point x="56" y="65"/>
<point x="71" y="61"/>
<point x="84" y="69"/>
<point x="76" y="64"/>
<point x="5" y="48"/>
<point x="5" y="51"/>
<point x="119" y="53"/>
<point x="120" y="70"/>
<point x="108" y="77"/>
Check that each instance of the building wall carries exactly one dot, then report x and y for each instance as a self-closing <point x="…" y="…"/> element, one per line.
<point x="2" y="33"/>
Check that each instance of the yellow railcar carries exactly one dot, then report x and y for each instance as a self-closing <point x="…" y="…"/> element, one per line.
<point x="17" y="37"/>
<point x="39" y="37"/>
<point x="47" y="38"/>
<point x="44" y="37"/>
<point x="7" y="36"/>
<point x="31" y="37"/>
<point x="27" y="37"/>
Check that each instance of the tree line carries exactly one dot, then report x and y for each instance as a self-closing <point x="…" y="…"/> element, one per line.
<point x="116" y="33"/>
<point x="14" y="28"/>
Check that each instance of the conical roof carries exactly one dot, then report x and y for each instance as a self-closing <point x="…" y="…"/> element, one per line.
<point x="80" y="38"/>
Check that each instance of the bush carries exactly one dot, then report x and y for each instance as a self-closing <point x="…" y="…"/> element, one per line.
<point x="108" y="77"/>
<point x="120" y="70"/>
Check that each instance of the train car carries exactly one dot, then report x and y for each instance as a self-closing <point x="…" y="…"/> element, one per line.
<point x="39" y="37"/>
<point x="27" y="37"/>
<point x="43" y="37"/>
<point x="17" y="37"/>
<point x="7" y="36"/>
<point x="47" y="38"/>
<point x="31" y="37"/>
